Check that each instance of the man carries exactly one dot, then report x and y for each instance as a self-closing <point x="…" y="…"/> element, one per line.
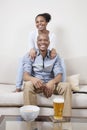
<point x="44" y="75"/>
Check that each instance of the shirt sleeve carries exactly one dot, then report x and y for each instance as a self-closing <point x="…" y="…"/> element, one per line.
<point x="57" y="69"/>
<point x="27" y="64"/>
<point x="31" y="43"/>
<point x="53" y="41"/>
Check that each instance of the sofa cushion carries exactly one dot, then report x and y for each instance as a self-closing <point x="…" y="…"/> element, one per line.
<point x="79" y="100"/>
<point x="77" y="65"/>
<point x="8" y="97"/>
<point x="74" y="82"/>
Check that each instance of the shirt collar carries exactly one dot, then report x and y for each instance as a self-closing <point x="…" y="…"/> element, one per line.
<point x="48" y="53"/>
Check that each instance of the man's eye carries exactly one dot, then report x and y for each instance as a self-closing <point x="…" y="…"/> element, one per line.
<point x="45" y="40"/>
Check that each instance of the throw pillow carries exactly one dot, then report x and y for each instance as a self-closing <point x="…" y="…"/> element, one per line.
<point x="74" y="81"/>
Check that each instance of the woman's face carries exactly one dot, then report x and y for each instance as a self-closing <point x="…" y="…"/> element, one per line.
<point x="41" y="23"/>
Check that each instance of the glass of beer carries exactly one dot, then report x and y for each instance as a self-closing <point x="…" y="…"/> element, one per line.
<point x="58" y="104"/>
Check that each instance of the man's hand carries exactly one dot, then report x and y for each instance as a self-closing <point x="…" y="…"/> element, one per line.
<point x="48" y="89"/>
<point x="17" y="90"/>
<point x="47" y="92"/>
<point x="37" y="82"/>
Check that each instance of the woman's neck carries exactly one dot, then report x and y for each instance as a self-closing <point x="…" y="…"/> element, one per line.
<point x="43" y="31"/>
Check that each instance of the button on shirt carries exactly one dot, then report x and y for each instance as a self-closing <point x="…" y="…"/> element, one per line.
<point x="43" y="68"/>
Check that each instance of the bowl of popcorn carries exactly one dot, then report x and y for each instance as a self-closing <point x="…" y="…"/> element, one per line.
<point x="29" y="112"/>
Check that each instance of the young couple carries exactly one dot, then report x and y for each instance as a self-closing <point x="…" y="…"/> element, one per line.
<point x="41" y="21"/>
<point x="41" y="67"/>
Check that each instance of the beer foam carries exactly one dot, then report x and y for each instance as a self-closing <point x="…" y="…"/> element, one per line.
<point x="58" y="100"/>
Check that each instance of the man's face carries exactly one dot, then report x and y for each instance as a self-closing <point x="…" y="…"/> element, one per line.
<point x="43" y="42"/>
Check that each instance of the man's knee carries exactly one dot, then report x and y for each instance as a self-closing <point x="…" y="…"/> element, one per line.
<point x="68" y="86"/>
<point x="28" y="85"/>
<point x="65" y="85"/>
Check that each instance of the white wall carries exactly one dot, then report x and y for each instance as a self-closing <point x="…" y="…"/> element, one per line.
<point x="69" y="22"/>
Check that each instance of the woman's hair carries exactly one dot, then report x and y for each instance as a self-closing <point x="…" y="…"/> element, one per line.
<point x="45" y="15"/>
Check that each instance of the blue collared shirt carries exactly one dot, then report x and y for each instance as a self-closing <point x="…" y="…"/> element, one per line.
<point x="43" y="68"/>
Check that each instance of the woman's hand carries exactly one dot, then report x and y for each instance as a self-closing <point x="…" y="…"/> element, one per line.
<point x="32" y="53"/>
<point x="53" y="53"/>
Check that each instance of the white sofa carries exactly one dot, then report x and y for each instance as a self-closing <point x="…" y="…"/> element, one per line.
<point x="11" y="102"/>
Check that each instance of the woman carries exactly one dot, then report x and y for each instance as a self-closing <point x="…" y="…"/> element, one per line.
<point x="41" y="22"/>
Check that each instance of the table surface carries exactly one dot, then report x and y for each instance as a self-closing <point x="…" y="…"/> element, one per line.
<point x="41" y="123"/>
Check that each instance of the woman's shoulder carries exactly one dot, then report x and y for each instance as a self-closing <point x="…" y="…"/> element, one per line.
<point x="33" y="35"/>
<point x="52" y="34"/>
<point x="33" y="32"/>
